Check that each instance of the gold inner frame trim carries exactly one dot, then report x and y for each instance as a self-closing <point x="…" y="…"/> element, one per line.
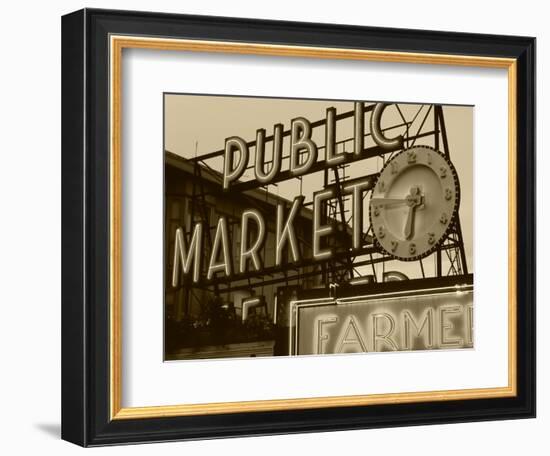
<point x="117" y="44"/>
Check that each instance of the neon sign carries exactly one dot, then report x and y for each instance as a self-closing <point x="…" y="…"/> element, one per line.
<point x="303" y="158"/>
<point x="431" y="320"/>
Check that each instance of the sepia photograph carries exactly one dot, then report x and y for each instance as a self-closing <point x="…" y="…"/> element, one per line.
<point x="316" y="227"/>
<point x="294" y="224"/>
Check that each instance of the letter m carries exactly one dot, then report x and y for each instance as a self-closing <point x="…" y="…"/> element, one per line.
<point x="184" y="258"/>
<point x="427" y="325"/>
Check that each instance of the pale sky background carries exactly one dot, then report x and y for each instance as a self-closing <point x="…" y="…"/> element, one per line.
<point x="197" y="125"/>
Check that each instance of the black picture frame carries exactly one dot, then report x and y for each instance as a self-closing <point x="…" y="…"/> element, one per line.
<point x="86" y="390"/>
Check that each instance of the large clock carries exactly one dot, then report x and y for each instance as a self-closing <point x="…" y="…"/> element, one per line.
<point x="414" y="203"/>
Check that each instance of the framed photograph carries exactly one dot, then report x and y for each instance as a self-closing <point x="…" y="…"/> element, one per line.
<point x="279" y="227"/>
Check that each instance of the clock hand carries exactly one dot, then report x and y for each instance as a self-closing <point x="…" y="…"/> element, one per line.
<point x="414" y="200"/>
<point x="409" y="223"/>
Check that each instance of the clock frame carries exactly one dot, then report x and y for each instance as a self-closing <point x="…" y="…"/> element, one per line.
<point x="414" y="203"/>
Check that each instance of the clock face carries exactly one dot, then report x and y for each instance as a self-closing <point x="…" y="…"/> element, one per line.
<point x="414" y="203"/>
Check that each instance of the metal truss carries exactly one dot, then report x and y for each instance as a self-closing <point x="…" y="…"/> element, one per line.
<point x="343" y="267"/>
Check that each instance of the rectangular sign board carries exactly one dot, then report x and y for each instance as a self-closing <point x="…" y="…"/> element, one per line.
<point x="427" y="320"/>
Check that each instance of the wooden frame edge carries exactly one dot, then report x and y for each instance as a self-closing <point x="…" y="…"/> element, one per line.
<point x="120" y="42"/>
<point x="309" y="403"/>
<point x="512" y="227"/>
